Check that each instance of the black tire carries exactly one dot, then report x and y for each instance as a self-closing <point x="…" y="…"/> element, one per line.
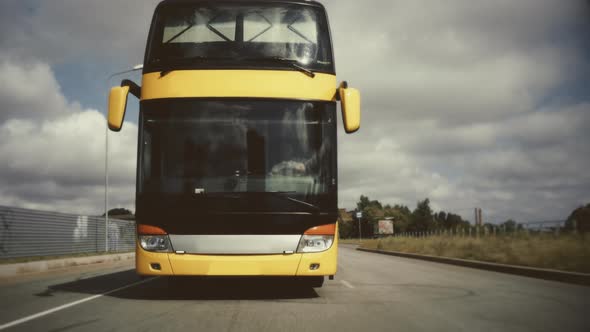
<point x="173" y="282"/>
<point x="315" y="282"/>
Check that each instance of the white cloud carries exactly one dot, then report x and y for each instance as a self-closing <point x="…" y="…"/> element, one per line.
<point x="381" y="169"/>
<point x="24" y="98"/>
<point x="53" y="151"/>
<point x="59" y="31"/>
<point x="458" y="61"/>
<point x="460" y="102"/>
<point x="459" y="89"/>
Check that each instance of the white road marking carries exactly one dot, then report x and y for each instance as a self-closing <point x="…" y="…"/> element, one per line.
<point x="346" y="283"/>
<point x="67" y="305"/>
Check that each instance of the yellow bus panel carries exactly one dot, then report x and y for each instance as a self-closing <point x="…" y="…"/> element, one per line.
<point x="328" y="261"/>
<point x="238" y="83"/>
<point x="144" y="259"/>
<point x="234" y="265"/>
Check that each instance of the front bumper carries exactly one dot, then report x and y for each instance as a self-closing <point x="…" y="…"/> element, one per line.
<point x="297" y="264"/>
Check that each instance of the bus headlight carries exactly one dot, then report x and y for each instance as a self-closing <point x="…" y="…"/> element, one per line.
<point x="315" y="243"/>
<point x="157" y="243"/>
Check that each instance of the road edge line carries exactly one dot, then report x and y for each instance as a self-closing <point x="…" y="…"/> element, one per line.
<point x="347" y="284"/>
<point x="546" y="274"/>
<point x="67" y="305"/>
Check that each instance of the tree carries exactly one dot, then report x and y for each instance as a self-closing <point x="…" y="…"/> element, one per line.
<point x="440" y="217"/>
<point x="422" y="219"/>
<point x="372" y="211"/>
<point x="119" y="212"/>
<point x="400" y="218"/>
<point x="403" y="209"/>
<point x="509" y="226"/>
<point x="364" y="202"/>
<point x="579" y="219"/>
<point x="455" y="220"/>
<point x="346" y="226"/>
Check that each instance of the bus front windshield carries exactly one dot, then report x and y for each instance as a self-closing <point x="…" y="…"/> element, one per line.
<point x="195" y="147"/>
<point x="240" y="36"/>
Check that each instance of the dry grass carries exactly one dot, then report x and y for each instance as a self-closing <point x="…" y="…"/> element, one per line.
<point x="566" y="252"/>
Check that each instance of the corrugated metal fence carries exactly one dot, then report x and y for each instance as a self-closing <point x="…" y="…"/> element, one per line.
<point x="25" y="232"/>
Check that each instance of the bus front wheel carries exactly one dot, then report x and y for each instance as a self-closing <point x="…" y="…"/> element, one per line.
<point x="315" y="281"/>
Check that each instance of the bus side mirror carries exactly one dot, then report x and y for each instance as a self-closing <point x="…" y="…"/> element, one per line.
<point x="350" y="101"/>
<point x="118" y="102"/>
<point x="117" y="106"/>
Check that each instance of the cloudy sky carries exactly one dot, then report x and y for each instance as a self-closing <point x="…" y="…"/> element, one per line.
<point x="469" y="103"/>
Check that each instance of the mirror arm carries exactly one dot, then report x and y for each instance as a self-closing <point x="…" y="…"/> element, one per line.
<point x="343" y="85"/>
<point x="134" y="89"/>
<point x="337" y="95"/>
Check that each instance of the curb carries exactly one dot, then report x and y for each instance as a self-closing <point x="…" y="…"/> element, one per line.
<point x="18" y="269"/>
<point x="547" y="274"/>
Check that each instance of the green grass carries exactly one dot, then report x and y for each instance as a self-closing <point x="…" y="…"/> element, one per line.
<point x="564" y="252"/>
<point x="43" y="258"/>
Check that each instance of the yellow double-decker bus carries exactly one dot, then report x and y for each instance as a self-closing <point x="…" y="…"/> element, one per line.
<point x="237" y="154"/>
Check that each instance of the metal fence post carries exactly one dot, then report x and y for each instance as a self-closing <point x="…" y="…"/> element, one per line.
<point x="95" y="235"/>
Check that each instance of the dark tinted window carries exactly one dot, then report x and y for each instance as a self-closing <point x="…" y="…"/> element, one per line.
<point x="238" y="147"/>
<point x="238" y="35"/>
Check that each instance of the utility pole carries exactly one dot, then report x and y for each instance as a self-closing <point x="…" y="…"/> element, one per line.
<point x="106" y="162"/>
<point x="478" y="218"/>
<point x="359" y="215"/>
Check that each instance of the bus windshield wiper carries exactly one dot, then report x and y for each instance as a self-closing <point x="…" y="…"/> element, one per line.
<point x="314" y="207"/>
<point x="183" y="59"/>
<point x="276" y="59"/>
<point x="278" y="194"/>
<point x="177" y="58"/>
<point x="281" y="194"/>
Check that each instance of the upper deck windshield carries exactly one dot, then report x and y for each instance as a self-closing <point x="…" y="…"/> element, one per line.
<point x="240" y="36"/>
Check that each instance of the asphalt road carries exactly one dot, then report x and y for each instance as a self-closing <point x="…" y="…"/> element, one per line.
<point x="371" y="292"/>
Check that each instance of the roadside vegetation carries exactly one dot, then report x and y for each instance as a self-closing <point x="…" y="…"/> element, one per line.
<point x="569" y="252"/>
<point x="423" y="231"/>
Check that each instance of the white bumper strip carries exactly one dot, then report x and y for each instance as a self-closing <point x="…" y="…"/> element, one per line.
<point x="235" y="244"/>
